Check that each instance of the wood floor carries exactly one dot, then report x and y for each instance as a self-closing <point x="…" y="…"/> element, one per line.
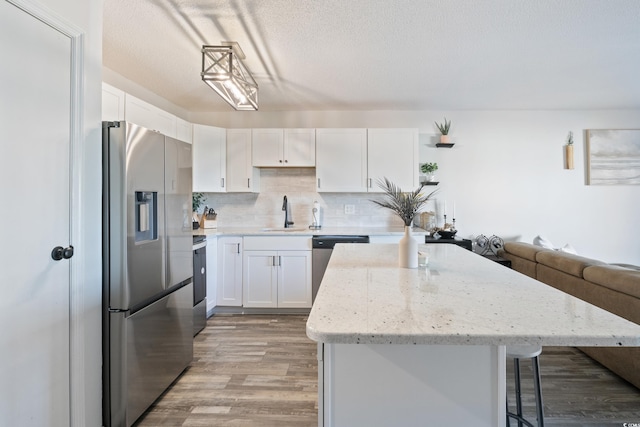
<point x="262" y="371"/>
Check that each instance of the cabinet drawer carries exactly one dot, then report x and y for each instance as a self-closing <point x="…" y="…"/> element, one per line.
<point x="277" y="243"/>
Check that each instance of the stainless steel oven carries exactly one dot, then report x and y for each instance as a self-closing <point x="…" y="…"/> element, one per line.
<point x="322" y="248"/>
<point x="199" y="283"/>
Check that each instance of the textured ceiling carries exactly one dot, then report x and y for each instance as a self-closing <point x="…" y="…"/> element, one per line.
<point x="387" y="54"/>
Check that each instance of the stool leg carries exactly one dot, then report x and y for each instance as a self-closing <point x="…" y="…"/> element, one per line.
<point x="516" y="371"/>
<point x="538" y="391"/>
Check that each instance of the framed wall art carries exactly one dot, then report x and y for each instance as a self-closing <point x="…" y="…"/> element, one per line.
<point x="613" y="156"/>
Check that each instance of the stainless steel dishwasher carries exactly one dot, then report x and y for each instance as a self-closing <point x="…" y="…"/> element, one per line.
<point x="322" y="248"/>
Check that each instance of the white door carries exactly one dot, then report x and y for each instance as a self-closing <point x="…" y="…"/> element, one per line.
<point x="260" y="279"/>
<point x="229" y="271"/>
<point x="239" y="169"/>
<point x="35" y="217"/>
<point x="300" y="147"/>
<point x="209" y="159"/>
<point x="392" y="154"/>
<point x="294" y="279"/>
<point x="341" y="160"/>
<point x="267" y="147"/>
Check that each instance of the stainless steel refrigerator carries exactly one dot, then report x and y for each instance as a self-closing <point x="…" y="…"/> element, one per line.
<point x="147" y="268"/>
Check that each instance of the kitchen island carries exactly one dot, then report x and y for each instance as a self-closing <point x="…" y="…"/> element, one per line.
<point x="417" y="347"/>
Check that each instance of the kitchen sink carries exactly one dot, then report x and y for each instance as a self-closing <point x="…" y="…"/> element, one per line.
<point x="281" y="229"/>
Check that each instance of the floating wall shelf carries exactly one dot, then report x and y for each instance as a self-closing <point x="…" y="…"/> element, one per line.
<point x="441" y="145"/>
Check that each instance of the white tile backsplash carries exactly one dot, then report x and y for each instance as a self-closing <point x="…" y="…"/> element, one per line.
<point x="264" y="209"/>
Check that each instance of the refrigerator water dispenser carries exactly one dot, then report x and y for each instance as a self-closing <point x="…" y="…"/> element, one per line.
<point x="146" y="216"/>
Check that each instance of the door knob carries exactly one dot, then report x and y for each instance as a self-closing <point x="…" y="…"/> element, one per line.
<point x="59" y="253"/>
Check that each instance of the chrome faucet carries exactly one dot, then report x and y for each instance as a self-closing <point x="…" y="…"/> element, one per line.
<point x="285" y="208"/>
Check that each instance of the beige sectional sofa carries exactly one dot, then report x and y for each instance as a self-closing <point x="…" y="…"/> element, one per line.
<point x="611" y="287"/>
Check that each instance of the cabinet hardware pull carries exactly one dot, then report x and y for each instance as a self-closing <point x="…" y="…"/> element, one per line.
<point x="238" y="247"/>
<point x="279" y="261"/>
<point x="286" y="161"/>
<point x="222" y="181"/>
<point x="318" y="182"/>
<point x="369" y="182"/>
<point x="280" y="160"/>
<point x="248" y="182"/>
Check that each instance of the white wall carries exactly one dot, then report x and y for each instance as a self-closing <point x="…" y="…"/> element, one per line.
<point x="505" y="172"/>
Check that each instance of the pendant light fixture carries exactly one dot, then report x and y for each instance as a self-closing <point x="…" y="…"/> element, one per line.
<point x="224" y="71"/>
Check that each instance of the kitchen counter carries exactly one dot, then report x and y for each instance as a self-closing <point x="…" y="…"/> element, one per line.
<point x="299" y="231"/>
<point x="462" y="298"/>
<point x="428" y="346"/>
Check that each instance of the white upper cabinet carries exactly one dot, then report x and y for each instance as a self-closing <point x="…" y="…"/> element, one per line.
<point x="209" y="159"/>
<point x="184" y="130"/>
<point x="300" y="147"/>
<point x="341" y="160"/>
<point x="241" y="175"/>
<point x="149" y="116"/>
<point x="283" y="147"/>
<point x="112" y="103"/>
<point x="392" y="153"/>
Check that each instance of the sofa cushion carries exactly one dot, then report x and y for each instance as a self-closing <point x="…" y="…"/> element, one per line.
<point x="621" y="279"/>
<point x="568" y="263"/>
<point x="523" y="250"/>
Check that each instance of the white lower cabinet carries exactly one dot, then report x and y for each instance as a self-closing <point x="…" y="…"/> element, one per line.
<point x="229" y="271"/>
<point x="212" y="273"/>
<point x="277" y="278"/>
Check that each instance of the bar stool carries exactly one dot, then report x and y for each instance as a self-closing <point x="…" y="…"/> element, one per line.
<point x="532" y="352"/>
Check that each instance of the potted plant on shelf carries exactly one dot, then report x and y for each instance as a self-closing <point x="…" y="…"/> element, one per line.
<point x="429" y="170"/>
<point x="444" y="130"/>
<point x="406" y="206"/>
<point x="196" y="201"/>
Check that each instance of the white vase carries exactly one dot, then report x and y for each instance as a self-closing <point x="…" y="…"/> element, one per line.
<point x="408" y="250"/>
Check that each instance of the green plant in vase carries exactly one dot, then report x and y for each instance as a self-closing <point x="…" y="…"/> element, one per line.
<point x="444" y="130"/>
<point x="197" y="199"/>
<point x="429" y="169"/>
<point x="406" y="206"/>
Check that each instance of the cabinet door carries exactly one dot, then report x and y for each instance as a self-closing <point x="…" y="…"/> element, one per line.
<point x="241" y="175"/>
<point x="229" y="271"/>
<point x="209" y="159"/>
<point x="392" y="153"/>
<point x="341" y="160"/>
<point x="294" y="279"/>
<point x="267" y="147"/>
<point x="300" y="147"/>
<point x="112" y="103"/>
<point x="260" y="285"/>
<point x="212" y="272"/>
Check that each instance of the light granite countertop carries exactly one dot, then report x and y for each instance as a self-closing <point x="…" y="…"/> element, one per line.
<point x="264" y="231"/>
<point x="461" y="298"/>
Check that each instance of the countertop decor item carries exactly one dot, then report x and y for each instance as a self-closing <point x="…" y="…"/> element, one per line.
<point x="444" y="130"/>
<point x="406" y="206"/>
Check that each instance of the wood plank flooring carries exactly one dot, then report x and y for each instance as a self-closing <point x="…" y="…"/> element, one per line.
<point x="261" y="370"/>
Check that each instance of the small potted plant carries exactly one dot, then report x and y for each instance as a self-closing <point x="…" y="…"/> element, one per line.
<point x="196" y="201"/>
<point x="444" y="130"/>
<point x="429" y="169"/>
